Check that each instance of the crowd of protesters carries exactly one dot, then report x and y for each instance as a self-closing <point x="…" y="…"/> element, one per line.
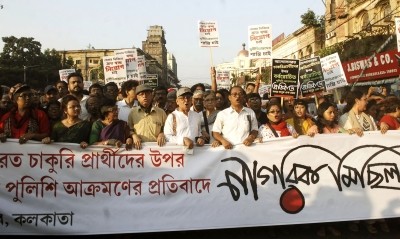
<point x="135" y="114"/>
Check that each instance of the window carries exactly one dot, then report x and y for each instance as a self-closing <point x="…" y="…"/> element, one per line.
<point x="95" y="61"/>
<point x="385" y="12"/>
<point x="365" y="22"/>
<point x="78" y="62"/>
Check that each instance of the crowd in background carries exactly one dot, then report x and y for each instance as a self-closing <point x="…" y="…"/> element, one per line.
<point x="195" y="116"/>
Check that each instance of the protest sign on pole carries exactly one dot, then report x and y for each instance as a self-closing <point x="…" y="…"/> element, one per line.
<point x="208" y="33"/>
<point x="131" y="63"/>
<point x="311" y="77"/>
<point x="114" y="69"/>
<point x="151" y="80"/>
<point x="209" y="36"/>
<point x="64" y="73"/>
<point x="141" y="63"/>
<point x="332" y="69"/>
<point x="223" y="80"/>
<point x="260" y="41"/>
<point x="285" y="77"/>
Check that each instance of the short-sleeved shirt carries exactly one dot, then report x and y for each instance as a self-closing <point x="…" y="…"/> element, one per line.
<point x="235" y="127"/>
<point x="147" y="125"/>
<point x="124" y="109"/>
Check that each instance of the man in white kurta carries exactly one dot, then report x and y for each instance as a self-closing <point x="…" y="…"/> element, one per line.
<point x="183" y="126"/>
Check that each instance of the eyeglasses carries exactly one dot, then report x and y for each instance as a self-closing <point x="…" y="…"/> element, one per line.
<point x="274" y="112"/>
<point x="254" y="100"/>
<point x="209" y="100"/>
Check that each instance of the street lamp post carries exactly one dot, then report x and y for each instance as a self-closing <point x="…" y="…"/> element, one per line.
<point x="26" y="67"/>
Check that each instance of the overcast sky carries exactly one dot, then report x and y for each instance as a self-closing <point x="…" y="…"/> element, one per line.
<point x="73" y="25"/>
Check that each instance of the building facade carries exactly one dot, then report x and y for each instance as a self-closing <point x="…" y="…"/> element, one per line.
<point x="89" y="61"/>
<point x="359" y="18"/>
<point x="154" y="45"/>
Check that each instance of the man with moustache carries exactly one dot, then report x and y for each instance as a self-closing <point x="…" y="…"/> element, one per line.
<point x="183" y="126"/>
<point x="236" y="124"/>
<point x="146" y="121"/>
<point x="75" y="88"/>
<point x="197" y="101"/>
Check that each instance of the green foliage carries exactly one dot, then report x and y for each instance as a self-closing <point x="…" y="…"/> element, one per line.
<point x="357" y="48"/>
<point x="41" y="68"/>
<point x="311" y="20"/>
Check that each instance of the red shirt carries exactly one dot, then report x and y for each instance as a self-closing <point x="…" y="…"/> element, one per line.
<point x="391" y="121"/>
<point x="16" y="133"/>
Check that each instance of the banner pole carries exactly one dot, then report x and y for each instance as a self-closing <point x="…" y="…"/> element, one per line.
<point x="211" y="57"/>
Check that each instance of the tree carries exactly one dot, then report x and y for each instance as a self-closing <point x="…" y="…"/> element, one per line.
<point x="310" y="19"/>
<point x="19" y="52"/>
<point x="25" y="53"/>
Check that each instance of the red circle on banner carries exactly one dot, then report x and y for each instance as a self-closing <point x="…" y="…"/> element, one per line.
<point x="292" y="200"/>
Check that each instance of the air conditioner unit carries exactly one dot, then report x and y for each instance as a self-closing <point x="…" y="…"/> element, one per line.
<point x="330" y="35"/>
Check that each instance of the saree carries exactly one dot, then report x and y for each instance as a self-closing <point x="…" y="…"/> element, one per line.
<point x="76" y="133"/>
<point x="116" y="130"/>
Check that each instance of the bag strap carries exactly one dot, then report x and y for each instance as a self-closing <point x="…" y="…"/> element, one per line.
<point x="273" y="130"/>
<point x="206" y="122"/>
<point x="173" y="124"/>
<point x="249" y="119"/>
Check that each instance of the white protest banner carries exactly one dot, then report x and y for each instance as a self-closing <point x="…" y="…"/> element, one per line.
<point x="142" y="67"/>
<point x="397" y="23"/>
<point x="115" y="69"/>
<point x="63" y="189"/>
<point x="131" y="62"/>
<point x="208" y="34"/>
<point x="332" y="69"/>
<point x="64" y="73"/>
<point x="223" y="80"/>
<point x="260" y="41"/>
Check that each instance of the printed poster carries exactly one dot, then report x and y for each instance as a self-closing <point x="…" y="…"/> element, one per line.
<point x="223" y="80"/>
<point x="208" y="33"/>
<point x="131" y="63"/>
<point x="285" y="77"/>
<point x="311" y="77"/>
<point x="332" y="69"/>
<point x="64" y="74"/>
<point x="115" y="69"/>
<point x="260" y="41"/>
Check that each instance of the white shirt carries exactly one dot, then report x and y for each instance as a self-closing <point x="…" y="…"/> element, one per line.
<point x="235" y="127"/>
<point x="124" y="109"/>
<point x="186" y="126"/>
<point x="84" y="115"/>
<point x="266" y="133"/>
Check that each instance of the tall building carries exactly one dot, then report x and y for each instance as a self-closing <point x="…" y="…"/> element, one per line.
<point x="155" y="46"/>
<point x="171" y="61"/>
<point x="88" y="61"/>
